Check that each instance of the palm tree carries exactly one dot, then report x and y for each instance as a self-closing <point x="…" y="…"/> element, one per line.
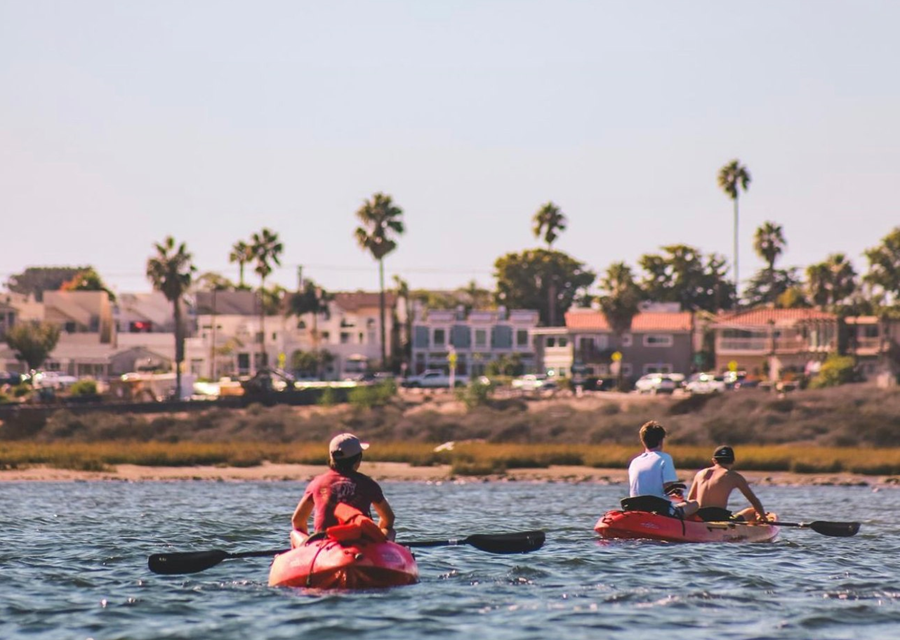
<point x="242" y="253"/>
<point x="381" y="219"/>
<point x="620" y="302"/>
<point x="832" y="281"/>
<point x="734" y="178"/>
<point x="311" y="299"/>
<point x="548" y="221"/>
<point x="266" y="249"/>
<point x="170" y="271"/>
<point x="769" y="243"/>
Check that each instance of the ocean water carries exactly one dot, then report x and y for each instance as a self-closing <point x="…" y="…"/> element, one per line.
<point x="73" y="560"/>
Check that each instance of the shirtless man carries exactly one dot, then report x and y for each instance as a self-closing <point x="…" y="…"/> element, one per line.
<point x="713" y="485"/>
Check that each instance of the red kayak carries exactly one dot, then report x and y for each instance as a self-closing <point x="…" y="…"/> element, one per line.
<point x="352" y="555"/>
<point x="652" y="526"/>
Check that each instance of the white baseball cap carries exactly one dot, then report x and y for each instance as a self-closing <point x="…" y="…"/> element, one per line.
<point x="346" y="445"/>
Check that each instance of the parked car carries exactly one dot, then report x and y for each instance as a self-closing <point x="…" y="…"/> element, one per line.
<point x="705" y="383"/>
<point x="655" y="383"/>
<point x="10" y="378"/>
<point x="534" y="382"/>
<point x="52" y="380"/>
<point x="434" y="379"/>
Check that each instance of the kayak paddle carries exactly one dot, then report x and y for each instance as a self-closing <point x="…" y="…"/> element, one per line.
<point x="521" y="542"/>
<point x="194" y="561"/>
<point x="834" y="529"/>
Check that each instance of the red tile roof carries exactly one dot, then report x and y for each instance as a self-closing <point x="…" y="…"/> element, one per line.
<point x="661" y="321"/>
<point x="363" y="299"/>
<point x="763" y="316"/>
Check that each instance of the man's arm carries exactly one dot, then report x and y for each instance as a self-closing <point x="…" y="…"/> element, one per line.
<point x="302" y="513"/>
<point x="385" y="516"/>
<point x="748" y="493"/>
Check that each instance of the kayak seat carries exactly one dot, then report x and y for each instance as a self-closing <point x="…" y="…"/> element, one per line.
<point x="344" y="532"/>
<point x="652" y="504"/>
<point x="350" y="516"/>
<point x="715" y="514"/>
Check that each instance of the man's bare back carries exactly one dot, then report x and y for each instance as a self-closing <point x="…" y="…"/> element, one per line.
<point x="712" y="487"/>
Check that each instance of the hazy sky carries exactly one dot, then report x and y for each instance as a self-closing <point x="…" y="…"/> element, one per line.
<point x="123" y="122"/>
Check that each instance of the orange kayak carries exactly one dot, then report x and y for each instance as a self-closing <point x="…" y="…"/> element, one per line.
<point x="352" y="555"/>
<point x="652" y="526"/>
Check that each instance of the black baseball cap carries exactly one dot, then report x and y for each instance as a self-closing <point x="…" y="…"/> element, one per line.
<point x="725" y="454"/>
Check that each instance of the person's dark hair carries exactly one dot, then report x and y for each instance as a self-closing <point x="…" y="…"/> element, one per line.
<point x="652" y="434"/>
<point x="344" y="465"/>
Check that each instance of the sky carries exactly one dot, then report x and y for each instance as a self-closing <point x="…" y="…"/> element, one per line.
<point x="124" y="122"/>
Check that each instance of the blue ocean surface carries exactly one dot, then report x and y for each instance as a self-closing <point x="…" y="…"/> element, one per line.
<point x="74" y="566"/>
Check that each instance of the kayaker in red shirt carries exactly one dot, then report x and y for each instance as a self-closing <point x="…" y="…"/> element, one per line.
<point x="342" y="484"/>
<point x="712" y="487"/>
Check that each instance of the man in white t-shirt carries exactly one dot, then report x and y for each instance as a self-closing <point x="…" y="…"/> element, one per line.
<point x="652" y="473"/>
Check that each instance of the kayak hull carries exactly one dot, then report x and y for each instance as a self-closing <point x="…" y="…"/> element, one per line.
<point x="333" y="564"/>
<point x="643" y="525"/>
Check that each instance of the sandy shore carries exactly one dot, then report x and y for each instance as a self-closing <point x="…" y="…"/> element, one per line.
<point x="387" y="471"/>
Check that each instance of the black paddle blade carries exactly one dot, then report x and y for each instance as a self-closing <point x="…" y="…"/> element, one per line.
<point x="835" y="529"/>
<point x="522" y="542"/>
<point x="190" y="562"/>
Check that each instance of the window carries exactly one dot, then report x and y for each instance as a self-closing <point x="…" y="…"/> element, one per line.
<point x="345" y="337"/>
<point x="70" y="327"/>
<point x="626" y="369"/>
<point x="522" y="338"/>
<point x="658" y="340"/>
<point x="440" y="337"/>
<point x="551" y="341"/>
<point x="658" y="367"/>
<point x="563" y="342"/>
<point x="480" y="337"/>
<point x="626" y="340"/>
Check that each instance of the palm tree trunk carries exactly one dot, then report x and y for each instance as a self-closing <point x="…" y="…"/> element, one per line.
<point x="263" y="359"/>
<point x="179" y="348"/>
<point x="381" y="305"/>
<point x="737" y="272"/>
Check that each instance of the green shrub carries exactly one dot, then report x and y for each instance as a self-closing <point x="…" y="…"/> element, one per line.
<point x="476" y="394"/>
<point x="835" y="371"/>
<point x="5" y="399"/>
<point x="83" y="388"/>
<point x="22" y="389"/>
<point x="328" y="397"/>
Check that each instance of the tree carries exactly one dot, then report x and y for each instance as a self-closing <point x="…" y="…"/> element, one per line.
<point x="475" y="296"/>
<point x="683" y="275"/>
<point x="733" y="178"/>
<point x="831" y="282"/>
<point x="548" y="221"/>
<point x="32" y="341"/>
<point x="87" y="280"/>
<point x="35" y="280"/>
<point x="171" y="271"/>
<point x="620" y="300"/>
<point x="769" y="285"/>
<point x="311" y="299"/>
<point x="403" y="293"/>
<point x="242" y="253"/>
<point x="524" y="281"/>
<point x="884" y="265"/>
<point x="265" y="249"/>
<point x="769" y="243"/>
<point x="380" y="222"/>
<point x="212" y="281"/>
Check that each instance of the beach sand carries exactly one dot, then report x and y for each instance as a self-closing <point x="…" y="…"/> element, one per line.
<point x="387" y="471"/>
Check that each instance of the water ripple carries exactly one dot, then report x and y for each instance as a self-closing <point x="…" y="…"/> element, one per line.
<point x="74" y="564"/>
